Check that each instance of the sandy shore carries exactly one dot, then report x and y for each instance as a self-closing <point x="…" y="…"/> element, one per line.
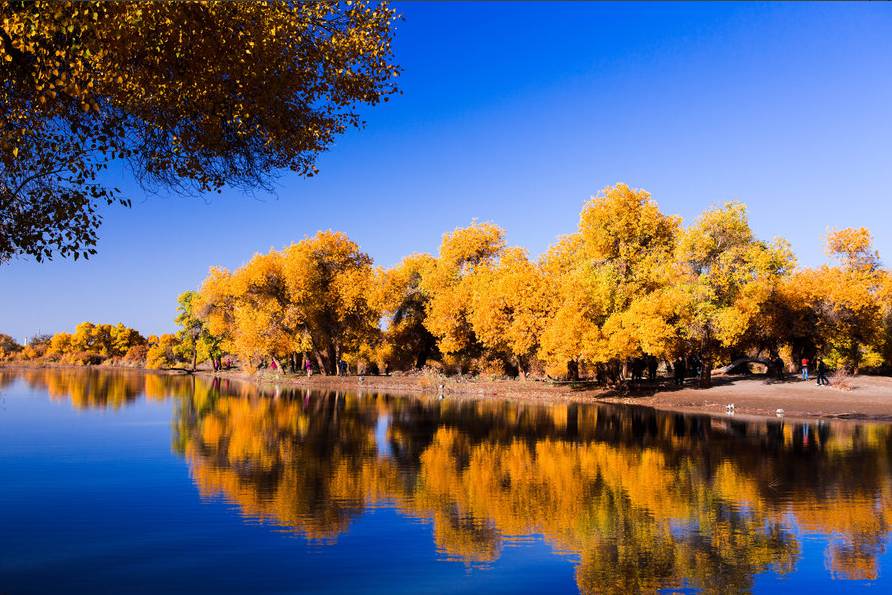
<point x="869" y="398"/>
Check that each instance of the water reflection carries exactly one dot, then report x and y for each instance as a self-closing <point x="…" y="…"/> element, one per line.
<point x="641" y="500"/>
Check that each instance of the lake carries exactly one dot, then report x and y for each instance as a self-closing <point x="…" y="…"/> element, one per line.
<point x="125" y="482"/>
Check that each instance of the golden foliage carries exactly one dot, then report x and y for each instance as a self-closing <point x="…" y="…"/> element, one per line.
<point x="630" y="285"/>
<point x="194" y="95"/>
<point x="314" y="296"/>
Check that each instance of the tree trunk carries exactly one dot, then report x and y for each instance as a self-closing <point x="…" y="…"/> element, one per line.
<point x="706" y="372"/>
<point x="332" y="353"/>
<point x="421" y="357"/>
<point x="520" y="368"/>
<point x="194" y="357"/>
<point x="573" y="370"/>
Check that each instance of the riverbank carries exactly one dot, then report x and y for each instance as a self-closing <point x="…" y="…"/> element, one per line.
<point x="868" y="398"/>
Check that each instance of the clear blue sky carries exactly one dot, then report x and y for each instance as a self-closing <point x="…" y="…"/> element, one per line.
<point x="517" y="113"/>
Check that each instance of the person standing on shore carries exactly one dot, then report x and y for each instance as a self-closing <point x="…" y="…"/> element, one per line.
<point x="680" y="371"/>
<point x="308" y="366"/>
<point x="805" y="368"/>
<point x="779" y="367"/>
<point x="822" y="373"/>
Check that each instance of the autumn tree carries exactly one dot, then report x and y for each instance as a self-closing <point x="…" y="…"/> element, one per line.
<point x="93" y="343"/>
<point x="35" y="347"/>
<point x="123" y="338"/>
<point x="60" y="345"/>
<point x="849" y="301"/>
<point x="214" y="305"/>
<point x="617" y="263"/>
<point x="448" y="285"/>
<point x="162" y="351"/>
<point x="509" y="308"/>
<point x="313" y="297"/>
<point x="728" y="279"/>
<point x="196" y="342"/>
<point x="402" y="303"/>
<point x="329" y="282"/>
<point x="574" y="311"/>
<point x="9" y="347"/>
<point x="628" y="243"/>
<point x="263" y="323"/>
<point x="191" y="96"/>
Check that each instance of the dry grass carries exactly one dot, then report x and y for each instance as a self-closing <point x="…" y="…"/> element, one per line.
<point x="842" y="380"/>
<point x="430" y="378"/>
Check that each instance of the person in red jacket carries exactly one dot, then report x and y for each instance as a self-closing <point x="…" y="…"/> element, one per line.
<point x="805" y="368"/>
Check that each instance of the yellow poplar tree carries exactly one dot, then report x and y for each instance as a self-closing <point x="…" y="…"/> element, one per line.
<point x="449" y="287"/>
<point x="402" y="304"/>
<point x="329" y="283"/>
<point x="509" y="307"/>
<point x="729" y="278"/>
<point x="265" y="321"/>
<point x="849" y="301"/>
<point x="193" y="95"/>
<point x="621" y="254"/>
<point x="574" y="307"/>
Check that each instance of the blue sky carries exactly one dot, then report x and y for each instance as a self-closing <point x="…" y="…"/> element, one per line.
<point x="518" y="113"/>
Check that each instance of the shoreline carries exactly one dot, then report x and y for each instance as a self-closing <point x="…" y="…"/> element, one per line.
<point x="869" y="399"/>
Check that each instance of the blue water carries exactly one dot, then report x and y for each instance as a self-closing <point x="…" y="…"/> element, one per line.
<point x="168" y="485"/>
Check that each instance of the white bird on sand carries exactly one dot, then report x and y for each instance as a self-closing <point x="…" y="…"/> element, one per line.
<point x="779" y="412"/>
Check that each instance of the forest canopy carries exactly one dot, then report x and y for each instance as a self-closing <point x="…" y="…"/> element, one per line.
<point x="631" y="288"/>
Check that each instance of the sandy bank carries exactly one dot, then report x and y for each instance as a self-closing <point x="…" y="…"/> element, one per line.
<point x="870" y="397"/>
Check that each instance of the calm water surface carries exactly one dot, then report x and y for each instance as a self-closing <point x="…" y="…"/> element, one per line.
<point x="128" y="482"/>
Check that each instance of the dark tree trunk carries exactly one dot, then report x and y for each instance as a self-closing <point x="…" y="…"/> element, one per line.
<point x="332" y="355"/>
<point x="421" y="357"/>
<point x="705" y="372"/>
<point x="521" y="371"/>
<point x="573" y="370"/>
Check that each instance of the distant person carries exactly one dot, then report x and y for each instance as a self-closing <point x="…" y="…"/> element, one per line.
<point x="308" y="366"/>
<point x="822" y="373"/>
<point x="805" y="368"/>
<point x="680" y="371"/>
<point x="652" y="368"/>
<point x="696" y="366"/>
<point x="342" y="367"/>
<point x="637" y="369"/>
<point x="779" y="367"/>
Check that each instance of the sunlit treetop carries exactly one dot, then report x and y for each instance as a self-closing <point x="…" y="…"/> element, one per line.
<point x="854" y="247"/>
<point x="191" y="95"/>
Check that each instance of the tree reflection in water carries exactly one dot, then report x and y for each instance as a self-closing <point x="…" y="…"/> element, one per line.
<point x="642" y="499"/>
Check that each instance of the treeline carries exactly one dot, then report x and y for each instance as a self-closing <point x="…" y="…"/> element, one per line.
<point x="630" y="285"/>
<point x="94" y="344"/>
<point x="631" y="282"/>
